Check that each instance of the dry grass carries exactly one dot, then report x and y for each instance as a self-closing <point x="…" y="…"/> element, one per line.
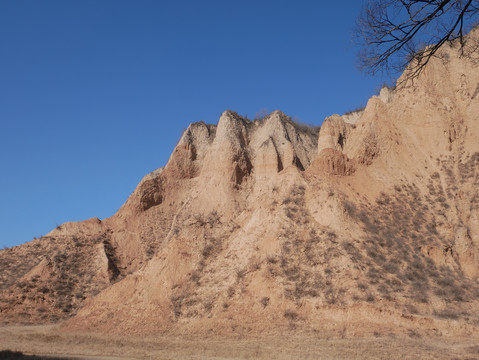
<point x="290" y="345"/>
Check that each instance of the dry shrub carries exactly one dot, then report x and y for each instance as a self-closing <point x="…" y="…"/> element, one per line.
<point x="265" y="301"/>
<point x="240" y="274"/>
<point x="291" y="315"/>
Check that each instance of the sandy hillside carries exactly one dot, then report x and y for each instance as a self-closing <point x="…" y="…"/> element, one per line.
<point x="366" y="227"/>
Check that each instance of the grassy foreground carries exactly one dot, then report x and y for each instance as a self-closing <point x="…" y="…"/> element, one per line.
<point x="49" y="341"/>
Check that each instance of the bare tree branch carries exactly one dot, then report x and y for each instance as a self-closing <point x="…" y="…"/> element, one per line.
<point x="392" y="33"/>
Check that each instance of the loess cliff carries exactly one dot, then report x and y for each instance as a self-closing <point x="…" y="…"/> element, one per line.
<point x="368" y="225"/>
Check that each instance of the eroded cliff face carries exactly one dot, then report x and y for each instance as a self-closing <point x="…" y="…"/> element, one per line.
<point x="372" y="224"/>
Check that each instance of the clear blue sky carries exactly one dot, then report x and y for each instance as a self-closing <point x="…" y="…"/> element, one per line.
<point x="95" y="94"/>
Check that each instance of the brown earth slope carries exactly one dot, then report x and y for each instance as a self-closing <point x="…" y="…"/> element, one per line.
<point x="370" y="227"/>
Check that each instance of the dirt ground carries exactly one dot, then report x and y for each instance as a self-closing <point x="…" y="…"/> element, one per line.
<point x="51" y="342"/>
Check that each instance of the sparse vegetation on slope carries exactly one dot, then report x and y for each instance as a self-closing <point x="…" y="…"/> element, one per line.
<point x="369" y="228"/>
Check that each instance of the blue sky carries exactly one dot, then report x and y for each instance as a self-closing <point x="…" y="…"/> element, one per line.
<point x="95" y="94"/>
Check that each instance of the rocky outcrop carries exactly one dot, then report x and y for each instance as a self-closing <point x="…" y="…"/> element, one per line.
<point x="334" y="162"/>
<point x="185" y="162"/>
<point x="277" y="143"/>
<point x="334" y="133"/>
<point x="227" y="157"/>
